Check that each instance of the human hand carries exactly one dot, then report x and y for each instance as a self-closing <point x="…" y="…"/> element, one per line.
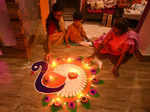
<point x="87" y="39"/>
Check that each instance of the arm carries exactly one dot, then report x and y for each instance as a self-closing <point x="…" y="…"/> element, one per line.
<point x="116" y="67"/>
<point x="120" y="60"/>
<point x="67" y="36"/>
<point x="108" y="37"/>
<point x="125" y="49"/>
<point x="83" y="33"/>
<point x="51" y="29"/>
<point x="62" y="25"/>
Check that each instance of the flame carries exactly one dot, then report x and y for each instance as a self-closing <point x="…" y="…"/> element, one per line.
<point x="51" y="78"/>
<point x="54" y="64"/>
<point x="80" y="95"/>
<point x="69" y="60"/>
<point x="86" y="66"/>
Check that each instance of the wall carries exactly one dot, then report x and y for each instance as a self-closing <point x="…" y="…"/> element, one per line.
<point x="6" y="32"/>
<point x="145" y="36"/>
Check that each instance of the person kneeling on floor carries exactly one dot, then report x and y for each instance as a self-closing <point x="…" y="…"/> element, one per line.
<point x="118" y="45"/>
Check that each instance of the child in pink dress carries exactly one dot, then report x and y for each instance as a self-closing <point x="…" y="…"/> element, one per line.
<point x="119" y="44"/>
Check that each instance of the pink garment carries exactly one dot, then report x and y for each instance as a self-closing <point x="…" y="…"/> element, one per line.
<point x="127" y="42"/>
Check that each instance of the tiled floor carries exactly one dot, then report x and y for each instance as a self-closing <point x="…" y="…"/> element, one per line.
<point x="128" y="93"/>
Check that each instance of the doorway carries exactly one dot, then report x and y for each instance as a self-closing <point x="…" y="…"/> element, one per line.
<point x="75" y="4"/>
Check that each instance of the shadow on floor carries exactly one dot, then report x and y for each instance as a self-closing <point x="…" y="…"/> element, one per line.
<point x="11" y="52"/>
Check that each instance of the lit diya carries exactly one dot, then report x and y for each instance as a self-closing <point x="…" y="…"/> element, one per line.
<point x="68" y="82"/>
<point x="72" y="75"/>
<point x="53" y="80"/>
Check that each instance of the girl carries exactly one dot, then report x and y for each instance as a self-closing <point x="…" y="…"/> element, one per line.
<point x="119" y="44"/>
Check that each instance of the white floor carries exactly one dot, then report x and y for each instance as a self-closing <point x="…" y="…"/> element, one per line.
<point x="93" y="29"/>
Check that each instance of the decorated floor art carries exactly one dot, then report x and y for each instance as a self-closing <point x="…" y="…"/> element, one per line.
<point x="67" y="83"/>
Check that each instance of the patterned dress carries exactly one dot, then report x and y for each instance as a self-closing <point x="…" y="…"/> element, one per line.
<point x="116" y="45"/>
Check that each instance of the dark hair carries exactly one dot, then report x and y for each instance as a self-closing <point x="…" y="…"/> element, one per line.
<point x="121" y="24"/>
<point x="77" y="16"/>
<point x="56" y="7"/>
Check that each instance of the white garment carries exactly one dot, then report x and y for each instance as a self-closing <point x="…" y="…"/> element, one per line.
<point x="100" y="4"/>
<point x="86" y="44"/>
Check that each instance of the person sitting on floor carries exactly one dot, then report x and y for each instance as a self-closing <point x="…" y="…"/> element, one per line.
<point x="55" y="26"/>
<point x="75" y="32"/>
<point x="119" y="44"/>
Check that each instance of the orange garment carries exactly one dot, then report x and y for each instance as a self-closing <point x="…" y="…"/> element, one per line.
<point x="44" y="7"/>
<point x="117" y="45"/>
<point x="75" y="33"/>
<point x="56" y="37"/>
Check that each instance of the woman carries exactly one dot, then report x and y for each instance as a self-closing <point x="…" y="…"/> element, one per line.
<point x="119" y="44"/>
<point x="55" y="26"/>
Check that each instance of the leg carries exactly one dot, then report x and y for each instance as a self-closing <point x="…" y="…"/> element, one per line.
<point x="104" y="19"/>
<point x="115" y="61"/>
<point x="138" y="55"/>
<point x="94" y="53"/>
<point x="121" y="59"/>
<point x="28" y="42"/>
<point x="97" y="52"/>
<point x="45" y="45"/>
<point x="97" y="56"/>
<point x="118" y="61"/>
<point x="109" y="20"/>
<point x="48" y="46"/>
<point x="27" y="48"/>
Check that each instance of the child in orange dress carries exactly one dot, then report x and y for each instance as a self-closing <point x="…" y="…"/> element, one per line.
<point x="75" y="32"/>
